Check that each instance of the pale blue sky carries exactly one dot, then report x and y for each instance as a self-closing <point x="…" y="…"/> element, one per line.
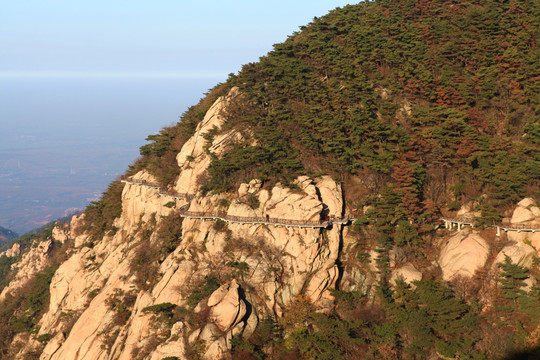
<point x="73" y="38"/>
<point x="83" y="83"/>
<point x="154" y="59"/>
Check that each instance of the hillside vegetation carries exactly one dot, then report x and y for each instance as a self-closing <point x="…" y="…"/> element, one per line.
<point x="424" y="95"/>
<point x="414" y="92"/>
<point x="417" y="108"/>
<point x="398" y="113"/>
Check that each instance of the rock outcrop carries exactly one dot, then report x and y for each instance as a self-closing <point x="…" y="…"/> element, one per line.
<point x="193" y="158"/>
<point x="61" y="233"/>
<point x="13" y="251"/>
<point x="407" y="273"/>
<point x="469" y="211"/>
<point x="227" y="308"/>
<point x="527" y="214"/>
<point x="276" y="263"/>
<point x="463" y="254"/>
<point x="519" y="253"/>
<point x="30" y="264"/>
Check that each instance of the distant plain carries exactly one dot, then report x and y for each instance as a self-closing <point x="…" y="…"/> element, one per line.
<point x="62" y="141"/>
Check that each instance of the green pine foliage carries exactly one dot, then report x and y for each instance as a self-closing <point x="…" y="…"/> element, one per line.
<point x="35" y="301"/>
<point x="5" y="270"/>
<point x="511" y="280"/>
<point x="489" y="216"/>
<point x="517" y="307"/>
<point x="327" y="337"/>
<point x="210" y="284"/>
<point x="22" y="309"/>
<point x="405" y="91"/>
<point x="100" y="215"/>
<point x="433" y="102"/>
<point x="430" y="318"/>
<point x="159" y="156"/>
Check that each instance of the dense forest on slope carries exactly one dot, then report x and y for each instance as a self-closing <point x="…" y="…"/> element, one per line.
<point x="417" y="107"/>
<point x="421" y="94"/>
<point x="437" y="102"/>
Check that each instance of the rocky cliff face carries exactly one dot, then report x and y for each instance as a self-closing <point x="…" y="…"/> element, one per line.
<point x="30" y="263"/>
<point x="222" y="278"/>
<point x="231" y="236"/>
<point x="260" y="268"/>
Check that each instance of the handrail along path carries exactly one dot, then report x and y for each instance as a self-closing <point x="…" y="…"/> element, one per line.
<point x="449" y="223"/>
<point x="222" y="215"/>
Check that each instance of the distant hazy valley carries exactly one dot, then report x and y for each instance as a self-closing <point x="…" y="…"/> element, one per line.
<point x="38" y="185"/>
<point x="6" y="235"/>
<point x="62" y="141"/>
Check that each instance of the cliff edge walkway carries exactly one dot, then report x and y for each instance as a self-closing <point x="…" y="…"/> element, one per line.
<point x="222" y="215"/>
<point x="449" y="223"/>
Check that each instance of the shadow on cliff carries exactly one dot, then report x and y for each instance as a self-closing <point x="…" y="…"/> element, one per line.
<point x="533" y="354"/>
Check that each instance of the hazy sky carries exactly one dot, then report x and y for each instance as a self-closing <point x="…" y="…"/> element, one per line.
<point x="158" y="57"/>
<point x="82" y="83"/>
<point x="144" y="38"/>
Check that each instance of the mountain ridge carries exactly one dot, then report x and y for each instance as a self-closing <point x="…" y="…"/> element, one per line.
<point x="392" y="113"/>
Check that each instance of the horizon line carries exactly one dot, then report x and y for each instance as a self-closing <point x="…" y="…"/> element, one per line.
<point x="109" y="75"/>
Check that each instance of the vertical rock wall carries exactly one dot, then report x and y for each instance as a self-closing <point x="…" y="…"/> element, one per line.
<point x="261" y="268"/>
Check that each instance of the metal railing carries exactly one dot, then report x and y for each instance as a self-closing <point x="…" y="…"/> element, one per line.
<point x="506" y="227"/>
<point x="518" y="227"/>
<point x="463" y="220"/>
<point x="323" y="223"/>
<point x="162" y="191"/>
<point x="222" y="215"/>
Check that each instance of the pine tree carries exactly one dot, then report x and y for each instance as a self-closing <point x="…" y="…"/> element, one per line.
<point x="512" y="280"/>
<point x="429" y="316"/>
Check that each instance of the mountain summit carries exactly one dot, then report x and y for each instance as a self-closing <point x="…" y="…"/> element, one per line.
<point x="366" y="190"/>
